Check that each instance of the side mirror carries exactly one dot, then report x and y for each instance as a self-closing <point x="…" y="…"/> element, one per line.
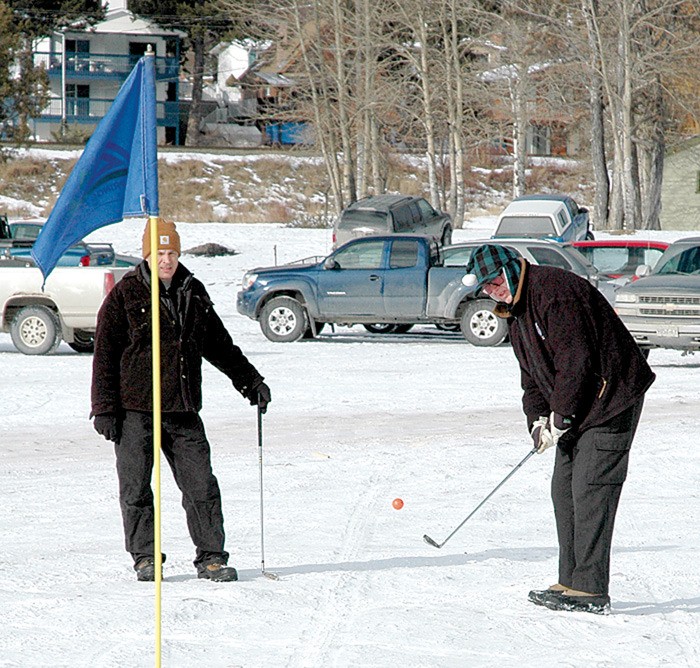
<point x="330" y="263"/>
<point x="642" y="271"/>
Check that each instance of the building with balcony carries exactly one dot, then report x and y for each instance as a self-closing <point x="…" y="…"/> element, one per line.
<point x="86" y="69"/>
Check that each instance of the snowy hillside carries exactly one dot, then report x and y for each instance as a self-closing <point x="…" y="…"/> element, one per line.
<point x="356" y="421"/>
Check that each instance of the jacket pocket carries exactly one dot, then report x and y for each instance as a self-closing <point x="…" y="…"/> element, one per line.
<point x="139" y="318"/>
<point x="609" y="459"/>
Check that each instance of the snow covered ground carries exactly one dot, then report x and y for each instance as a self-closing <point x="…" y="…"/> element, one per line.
<point x="356" y="421"/>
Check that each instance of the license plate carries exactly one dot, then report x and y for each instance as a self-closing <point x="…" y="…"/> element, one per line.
<point x="667" y="331"/>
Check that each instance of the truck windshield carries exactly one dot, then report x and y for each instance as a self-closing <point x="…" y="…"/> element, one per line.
<point x="526" y="226"/>
<point x="375" y="220"/>
<point x="687" y="262"/>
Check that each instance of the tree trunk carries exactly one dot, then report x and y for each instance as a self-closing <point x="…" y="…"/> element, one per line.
<point x="195" y="118"/>
<point x="598" y="154"/>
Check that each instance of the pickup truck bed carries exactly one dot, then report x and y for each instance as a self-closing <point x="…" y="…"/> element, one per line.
<point x="65" y="310"/>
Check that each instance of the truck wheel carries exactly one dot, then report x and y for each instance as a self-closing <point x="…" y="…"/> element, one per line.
<point x="283" y="319"/>
<point x="446" y="236"/>
<point x="481" y="326"/>
<point x="381" y="328"/>
<point x="35" y="330"/>
<point x="589" y="236"/>
<point x="402" y="329"/>
<point x="83" y="342"/>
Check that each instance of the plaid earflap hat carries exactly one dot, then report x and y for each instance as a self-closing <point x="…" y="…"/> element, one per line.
<point x="488" y="262"/>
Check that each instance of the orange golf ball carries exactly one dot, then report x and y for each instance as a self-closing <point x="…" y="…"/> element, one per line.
<point x="397" y="503"/>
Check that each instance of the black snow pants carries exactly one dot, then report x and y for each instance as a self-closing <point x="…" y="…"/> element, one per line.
<point x="185" y="446"/>
<point x="589" y="470"/>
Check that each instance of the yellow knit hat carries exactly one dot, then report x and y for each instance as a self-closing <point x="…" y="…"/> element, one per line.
<point x="168" y="238"/>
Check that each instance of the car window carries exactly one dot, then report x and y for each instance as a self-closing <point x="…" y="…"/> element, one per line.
<point x="685" y="262"/>
<point x="366" y="255"/>
<point x="549" y="257"/>
<point x="415" y="212"/>
<point x="375" y="220"/>
<point x="403" y="218"/>
<point x="562" y="220"/>
<point x="404" y="253"/>
<point x="22" y="231"/>
<point x="456" y="257"/>
<point x="607" y="260"/>
<point x="425" y="209"/>
<point x="526" y="226"/>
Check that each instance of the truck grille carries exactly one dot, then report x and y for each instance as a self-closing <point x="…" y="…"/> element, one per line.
<point x="669" y="306"/>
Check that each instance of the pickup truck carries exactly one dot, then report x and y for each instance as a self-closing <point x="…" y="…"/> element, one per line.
<point x="395" y="279"/>
<point x="18" y="237"/>
<point x="555" y="217"/>
<point x="662" y="308"/>
<point x="65" y="310"/>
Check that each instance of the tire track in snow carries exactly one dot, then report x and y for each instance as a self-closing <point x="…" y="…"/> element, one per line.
<point x="337" y="602"/>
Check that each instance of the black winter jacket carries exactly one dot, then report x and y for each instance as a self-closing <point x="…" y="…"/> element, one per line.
<point x="576" y="356"/>
<point x="190" y="330"/>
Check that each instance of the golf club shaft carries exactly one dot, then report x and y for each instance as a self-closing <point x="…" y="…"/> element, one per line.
<point x="271" y="576"/>
<point x="430" y="541"/>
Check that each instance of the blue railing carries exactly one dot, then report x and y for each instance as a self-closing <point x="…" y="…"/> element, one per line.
<point x="102" y="65"/>
<point x="92" y="110"/>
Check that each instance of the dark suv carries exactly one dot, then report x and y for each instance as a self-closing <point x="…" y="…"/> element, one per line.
<point x="388" y="214"/>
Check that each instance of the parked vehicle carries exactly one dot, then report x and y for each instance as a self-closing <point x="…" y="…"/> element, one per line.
<point x="391" y="214"/>
<point x="555" y="217"/>
<point x="66" y="309"/>
<point x="662" y="308"/>
<point x="17" y="239"/>
<point x="395" y="280"/>
<point x="485" y="324"/>
<point x="620" y="258"/>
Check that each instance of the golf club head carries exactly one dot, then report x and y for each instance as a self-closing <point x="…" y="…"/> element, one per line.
<point x="430" y="541"/>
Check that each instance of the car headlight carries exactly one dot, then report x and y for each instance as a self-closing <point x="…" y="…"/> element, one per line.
<point x="248" y="280"/>
<point x="625" y="298"/>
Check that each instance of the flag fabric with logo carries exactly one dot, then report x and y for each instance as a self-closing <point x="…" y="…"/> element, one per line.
<point x="117" y="175"/>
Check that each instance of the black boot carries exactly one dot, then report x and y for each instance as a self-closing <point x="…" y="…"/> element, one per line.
<point x="538" y="596"/>
<point x="217" y="572"/>
<point x="597" y="605"/>
<point x="146" y="570"/>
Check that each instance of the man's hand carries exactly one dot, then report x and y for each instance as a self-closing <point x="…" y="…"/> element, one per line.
<point x="546" y="432"/>
<point x="541" y="436"/>
<point x="261" y="397"/>
<point x="107" y="425"/>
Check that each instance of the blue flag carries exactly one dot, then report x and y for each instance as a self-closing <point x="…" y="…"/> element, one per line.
<point x="116" y="176"/>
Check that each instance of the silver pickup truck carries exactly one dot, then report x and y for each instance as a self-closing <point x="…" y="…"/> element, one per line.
<point x="65" y="310"/>
<point x="662" y="308"/>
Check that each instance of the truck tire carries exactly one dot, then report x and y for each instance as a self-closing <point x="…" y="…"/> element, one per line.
<point x="283" y="319"/>
<point x="402" y="329"/>
<point x="381" y="328"/>
<point x="481" y="326"/>
<point x="35" y="330"/>
<point x="83" y="342"/>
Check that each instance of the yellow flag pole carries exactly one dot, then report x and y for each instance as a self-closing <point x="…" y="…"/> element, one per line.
<point x="155" y="344"/>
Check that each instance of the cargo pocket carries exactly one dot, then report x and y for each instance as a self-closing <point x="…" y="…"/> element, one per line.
<point x="609" y="460"/>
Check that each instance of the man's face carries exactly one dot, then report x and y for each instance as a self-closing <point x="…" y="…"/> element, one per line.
<point x="167" y="264"/>
<point x="498" y="290"/>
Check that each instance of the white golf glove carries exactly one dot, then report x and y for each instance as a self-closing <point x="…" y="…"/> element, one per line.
<point x="546" y="431"/>
<point x="541" y="436"/>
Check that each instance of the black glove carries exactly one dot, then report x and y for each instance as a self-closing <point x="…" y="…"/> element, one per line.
<point x="260" y="396"/>
<point x="107" y="425"/>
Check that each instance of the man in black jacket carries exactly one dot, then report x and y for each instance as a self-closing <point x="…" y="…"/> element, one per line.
<point x="122" y="399"/>
<point x="583" y="380"/>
